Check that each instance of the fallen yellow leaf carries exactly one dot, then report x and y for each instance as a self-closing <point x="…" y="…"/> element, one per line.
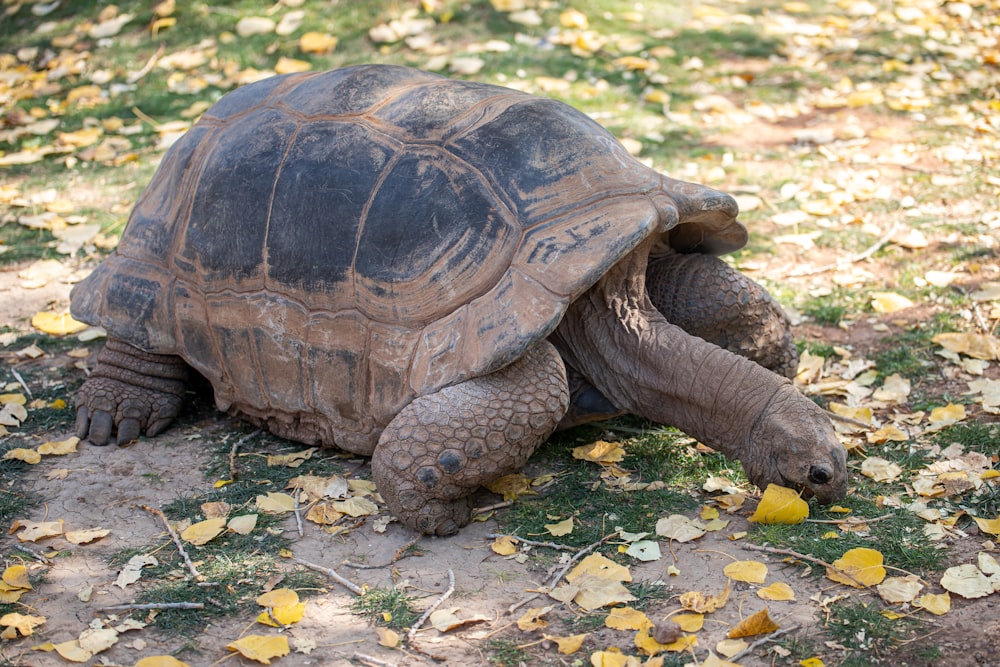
<point x="967" y="581"/>
<point x="567" y="645"/>
<point x="293" y="460"/>
<point x="600" y="452"/>
<point x="858" y="567"/>
<point x="243" y="524"/>
<point x="889" y="302"/>
<point x="936" y="603"/>
<point x="317" y="42"/>
<point x="532" y="619"/>
<point x="749" y="571"/>
<point x="23" y="624"/>
<point x="86" y="536"/>
<point x="386" y="637"/>
<point x="203" y="531"/>
<point x="279" y="597"/>
<point x="700" y="603"/>
<point x="564" y="527"/>
<point x="260" y="647"/>
<point x="37" y="530"/>
<point x="689" y="622"/>
<point x="896" y="590"/>
<point x="160" y="661"/>
<point x="60" y="447"/>
<point x="512" y="486"/>
<point x="505" y="545"/>
<point x="780" y="505"/>
<point x="57" y="324"/>
<point x="991" y="526"/>
<point x="778" y="591"/>
<point x="16" y="576"/>
<point x="275" y="503"/>
<point x="627" y="618"/>
<point x="29" y="456"/>
<point x="977" y="346"/>
<point x="757" y="624"/>
<point x="280" y="616"/>
<point x="947" y="414"/>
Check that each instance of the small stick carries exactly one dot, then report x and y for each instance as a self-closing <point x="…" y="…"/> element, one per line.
<point x="848" y="420"/>
<point x="853" y="259"/>
<point x="154" y="605"/>
<point x="811" y="559"/>
<point x="232" y="452"/>
<point x="371" y="660"/>
<point x="851" y="519"/>
<point x="490" y="508"/>
<point x="760" y="642"/>
<point x="177" y="542"/>
<point x="33" y="553"/>
<point x="349" y="585"/>
<point x="430" y="610"/>
<point x="20" y="381"/>
<point x="399" y="555"/>
<point x="298" y="513"/>
<point x="133" y="77"/>
<point x="533" y="543"/>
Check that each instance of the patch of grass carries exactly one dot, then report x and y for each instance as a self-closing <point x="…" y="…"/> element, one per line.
<point x="506" y="653"/>
<point x="650" y="457"/>
<point x="973" y="436"/>
<point x="831" y="309"/>
<point x="911" y="352"/>
<point x="647" y="593"/>
<point x="390" y="607"/>
<point x="865" y="632"/>
<point x="898" y="536"/>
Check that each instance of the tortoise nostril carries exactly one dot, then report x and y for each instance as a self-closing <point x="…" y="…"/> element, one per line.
<point x="819" y="475"/>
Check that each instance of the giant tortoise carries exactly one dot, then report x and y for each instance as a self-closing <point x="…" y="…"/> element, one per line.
<point x="438" y="274"/>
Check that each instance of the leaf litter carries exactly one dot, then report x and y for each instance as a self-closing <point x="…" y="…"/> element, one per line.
<point x="878" y="411"/>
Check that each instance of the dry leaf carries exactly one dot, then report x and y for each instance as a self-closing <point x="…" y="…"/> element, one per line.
<point x="890" y="302"/>
<point x="700" y="603"/>
<point x="293" y="460"/>
<point x="512" y="486"/>
<point x="160" y="661"/>
<point x="532" y="619"/>
<point x="133" y="569"/>
<point x="59" y="448"/>
<point x="23" y="624"/>
<point x="967" y="581"/>
<point x="505" y="545"/>
<point x="203" y="531"/>
<point x="279" y="597"/>
<point x="895" y="590"/>
<point x="280" y="616"/>
<point x="29" y="456"/>
<point x="243" y="524"/>
<point x="757" y="624"/>
<point x="971" y="345"/>
<point x="600" y="452"/>
<point x="445" y="620"/>
<point x="688" y="622"/>
<point x="355" y="506"/>
<point x="317" y="42"/>
<point x="260" y="647"/>
<point x="275" y="503"/>
<point x="864" y="567"/>
<point x="564" y="527"/>
<point x="680" y="528"/>
<point x="644" y="550"/>
<point x="991" y="526"/>
<point x="749" y="571"/>
<point x="37" y="530"/>
<point x="86" y="536"/>
<point x="16" y="576"/>
<point x="567" y="645"/>
<point x="627" y="618"/>
<point x="387" y="638"/>
<point x="780" y="505"/>
<point x="880" y="470"/>
<point x="935" y="603"/>
<point x="778" y="591"/>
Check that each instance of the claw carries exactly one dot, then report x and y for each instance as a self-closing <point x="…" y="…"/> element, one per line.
<point x="128" y="431"/>
<point x="101" y="425"/>
<point x="82" y="423"/>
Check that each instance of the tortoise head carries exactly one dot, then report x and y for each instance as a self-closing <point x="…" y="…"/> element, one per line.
<point x="793" y="445"/>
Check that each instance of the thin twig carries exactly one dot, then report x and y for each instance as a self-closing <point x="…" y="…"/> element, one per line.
<point x="232" y="452"/>
<point x="154" y="605"/>
<point x="430" y="610"/>
<point x="371" y="660"/>
<point x="177" y="542"/>
<point x="851" y="519"/>
<point x="399" y="555"/>
<point x="852" y="259"/>
<point x="133" y="77"/>
<point x="297" y="510"/>
<point x="811" y="559"/>
<point x="847" y="420"/>
<point x="33" y="553"/>
<point x="533" y="543"/>
<point x="562" y="572"/>
<point x="20" y="381"/>
<point x="760" y="642"/>
<point x="346" y="583"/>
<point x="489" y="508"/>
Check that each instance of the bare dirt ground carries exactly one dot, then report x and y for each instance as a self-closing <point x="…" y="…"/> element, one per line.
<point x="107" y="487"/>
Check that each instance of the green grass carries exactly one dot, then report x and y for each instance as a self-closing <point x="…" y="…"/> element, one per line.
<point x="869" y="637"/>
<point x="390" y="607"/>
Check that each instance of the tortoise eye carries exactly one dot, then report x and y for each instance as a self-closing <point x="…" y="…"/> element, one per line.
<point x="819" y="475"/>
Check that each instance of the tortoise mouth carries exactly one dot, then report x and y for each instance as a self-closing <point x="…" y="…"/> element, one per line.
<point x="804" y="491"/>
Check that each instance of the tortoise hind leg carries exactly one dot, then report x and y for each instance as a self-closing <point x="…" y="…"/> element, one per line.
<point x="440" y="448"/>
<point x="129" y="391"/>
<point x="707" y="298"/>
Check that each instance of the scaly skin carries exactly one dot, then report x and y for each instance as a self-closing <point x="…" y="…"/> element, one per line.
<point x="442" y="447"/>
<point x="129" y="392"/>
<point x="707" y="298"/>
<point x="648" y="366"/>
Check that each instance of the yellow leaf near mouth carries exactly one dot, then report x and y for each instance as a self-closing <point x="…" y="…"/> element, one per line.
<point x="780" y="505"/>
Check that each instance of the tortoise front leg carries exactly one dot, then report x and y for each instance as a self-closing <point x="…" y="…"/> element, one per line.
<point x="442" y="447"/>
<point x="707" y="298"/>
<point x="129" y="391"/>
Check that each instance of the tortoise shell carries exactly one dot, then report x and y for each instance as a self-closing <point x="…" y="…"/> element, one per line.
<point x="325" y="247"/>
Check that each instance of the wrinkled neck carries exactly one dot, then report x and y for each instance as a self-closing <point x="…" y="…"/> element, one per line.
<point x="643" y="364"/>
